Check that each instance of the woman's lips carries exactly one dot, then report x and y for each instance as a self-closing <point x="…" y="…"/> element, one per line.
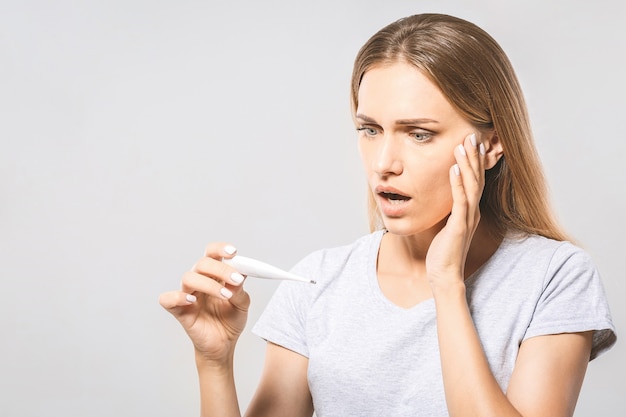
<point x="392" y="202"/>
<point x="393" y="197"/>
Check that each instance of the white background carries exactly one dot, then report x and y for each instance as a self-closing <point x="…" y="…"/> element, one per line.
<point x="134" y="132"/>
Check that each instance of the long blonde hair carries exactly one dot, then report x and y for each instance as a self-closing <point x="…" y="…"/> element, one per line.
<point x="475" y="75"/>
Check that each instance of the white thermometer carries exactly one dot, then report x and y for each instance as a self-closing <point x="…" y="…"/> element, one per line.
<point x="253" y="268"/>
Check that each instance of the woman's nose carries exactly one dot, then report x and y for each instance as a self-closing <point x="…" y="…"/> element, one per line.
<point x="388" y="159"/>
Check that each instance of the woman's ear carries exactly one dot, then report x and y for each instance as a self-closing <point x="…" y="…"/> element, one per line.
<point x="493" y="149"/>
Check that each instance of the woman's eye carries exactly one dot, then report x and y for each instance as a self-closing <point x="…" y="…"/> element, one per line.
<point x="368" y="131"/>
<point x="421" y="136"/>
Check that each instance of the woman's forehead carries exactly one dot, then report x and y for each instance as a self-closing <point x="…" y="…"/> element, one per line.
<point x="400" y="91"/>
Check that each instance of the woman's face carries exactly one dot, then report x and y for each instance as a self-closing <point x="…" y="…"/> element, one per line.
<point x="407" y="134"/>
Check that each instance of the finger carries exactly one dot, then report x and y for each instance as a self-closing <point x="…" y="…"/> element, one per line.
<point x="476" y="159"/>
<point x="194" y="282"/>
<point x="470" y="148"/>
<point x="467" y="173"/>
<point x="219" y="250"/>
<point x="173" y="299"/>
<point x="466" y="190"/>
<point x="213" y="268"/>
<point x="470" y="171"/>
<point x="458" y="215"/>
<point x="240" y="299"/>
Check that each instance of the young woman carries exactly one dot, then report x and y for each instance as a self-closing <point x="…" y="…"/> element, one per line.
<point x="465" y="300"/>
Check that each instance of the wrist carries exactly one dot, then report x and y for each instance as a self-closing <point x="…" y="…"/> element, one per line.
<point x="216" y="377"/>
<point x="449" y="289"/>
<point x="205" y="363"/>
<point x="451" y="302"/>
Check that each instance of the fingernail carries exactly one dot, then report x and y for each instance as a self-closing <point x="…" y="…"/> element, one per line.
<point x="230" y="249"/>
<point x="226" y="293"/>
<point x="481" y="149"/>
<point x="457" y="170"/>
<point x="236" y="278"/>
<point x="191" y="298"/>
<point x="462" y="150"/>
<point x="473" y="139"/>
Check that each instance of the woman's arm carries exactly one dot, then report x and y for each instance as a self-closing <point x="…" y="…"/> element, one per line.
<point x="284" y="389"/>
<point x="218" y="395"/>
<point x="549" y="373"/>
<point x="549" y="370"/>
<point x="212" y="307"/>
<point x="546" y="381"/>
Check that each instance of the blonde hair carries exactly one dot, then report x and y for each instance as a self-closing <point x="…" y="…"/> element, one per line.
<point x="475" y="75"/>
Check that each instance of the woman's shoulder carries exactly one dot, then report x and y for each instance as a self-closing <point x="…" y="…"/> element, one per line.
<point x="570" y="295"/>
<point x="546" y="259"/>
<point x="359" y="247"/>
<point x="330" y="261"/>
<point x="540" y="247"/>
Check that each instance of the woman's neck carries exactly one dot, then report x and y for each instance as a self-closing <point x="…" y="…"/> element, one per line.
<point x="408" y="253"/>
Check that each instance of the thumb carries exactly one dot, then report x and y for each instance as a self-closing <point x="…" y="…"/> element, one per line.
<point x="171" y="300"/>
<point x="240" y="299"/>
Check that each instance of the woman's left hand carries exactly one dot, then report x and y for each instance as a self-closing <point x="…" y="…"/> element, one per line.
<point x="445" y="261"/>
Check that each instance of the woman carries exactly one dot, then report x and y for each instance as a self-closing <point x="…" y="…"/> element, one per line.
<point x="465" y="300"/>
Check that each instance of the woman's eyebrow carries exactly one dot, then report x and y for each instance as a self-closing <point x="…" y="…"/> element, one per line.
<point x="365" y="118"/>
<point x="418" y="121"/>
<point x="415" y="121"/>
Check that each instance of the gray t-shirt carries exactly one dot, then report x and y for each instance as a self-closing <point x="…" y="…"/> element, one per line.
<point x="369" y="357"/>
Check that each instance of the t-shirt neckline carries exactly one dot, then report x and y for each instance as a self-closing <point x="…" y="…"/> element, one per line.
<point x="427" y="304"/>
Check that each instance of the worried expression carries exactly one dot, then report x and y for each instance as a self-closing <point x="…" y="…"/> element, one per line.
<point x="407" y="134"/>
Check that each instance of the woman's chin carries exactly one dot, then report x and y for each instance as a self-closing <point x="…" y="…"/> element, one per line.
<point x="409" y="227"/>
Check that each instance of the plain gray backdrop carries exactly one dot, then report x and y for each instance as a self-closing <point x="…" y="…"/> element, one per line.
<point x="134" y="132"/>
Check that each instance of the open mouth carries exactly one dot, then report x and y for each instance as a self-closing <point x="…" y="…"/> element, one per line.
<point x="394" y="198"/>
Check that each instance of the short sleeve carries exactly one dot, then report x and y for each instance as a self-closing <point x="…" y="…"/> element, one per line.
<point x="573" y="300"/>
<point x="283" y="321"/>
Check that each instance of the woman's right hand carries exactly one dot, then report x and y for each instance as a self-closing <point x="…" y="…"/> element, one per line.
<point x="211" y="305"/>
